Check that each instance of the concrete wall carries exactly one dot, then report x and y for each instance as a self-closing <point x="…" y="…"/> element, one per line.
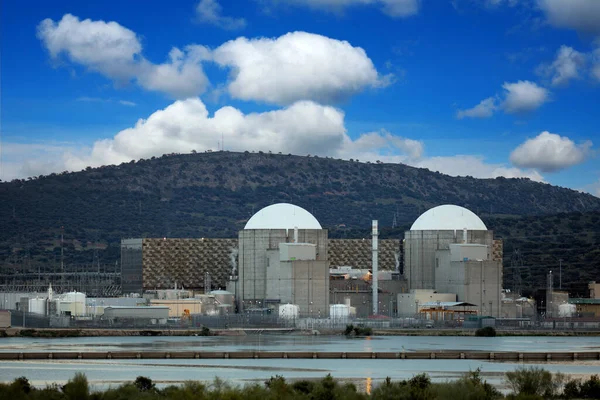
<point x="589" y="310"/>
<point x="136" y="312"/>
<point x="297" y="251"/>
<point x="131" y="265"/>
<point x="4" y="319"/>
<point x="279" y="279"/>
<point x="177" y="307"/>
<point x="408" y="302"/>
<point x="476" y="282"/>
<point x="12" y="300"/>
<point x="460" y="252"/>
<point x="594" y="289"/>
<point x="310" y="286"/>
<point x="420" y="253"/>
<point x="256" y="253"/>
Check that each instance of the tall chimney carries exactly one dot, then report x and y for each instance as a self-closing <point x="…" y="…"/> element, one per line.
<point x="295" y="234"/>
<point x="375" y="281"/>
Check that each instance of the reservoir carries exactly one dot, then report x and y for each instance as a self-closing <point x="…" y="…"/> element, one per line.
<point x="102" y="373"/>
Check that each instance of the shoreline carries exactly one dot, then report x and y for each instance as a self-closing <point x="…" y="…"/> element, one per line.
<point x="87" y="332"/>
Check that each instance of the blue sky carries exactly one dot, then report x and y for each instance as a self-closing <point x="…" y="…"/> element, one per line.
<point x="467" y="87"/>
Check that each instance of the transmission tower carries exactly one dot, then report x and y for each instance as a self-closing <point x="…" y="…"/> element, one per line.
<point x="516" y="265"/>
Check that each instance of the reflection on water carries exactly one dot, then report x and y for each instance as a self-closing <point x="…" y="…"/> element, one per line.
<point x="302" y="343"/>
<point x="369" y="372"/>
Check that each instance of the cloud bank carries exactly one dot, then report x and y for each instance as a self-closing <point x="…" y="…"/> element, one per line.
<point x="304" y="127"/>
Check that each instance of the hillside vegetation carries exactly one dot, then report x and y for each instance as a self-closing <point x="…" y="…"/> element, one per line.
<point x="213" y="194"/>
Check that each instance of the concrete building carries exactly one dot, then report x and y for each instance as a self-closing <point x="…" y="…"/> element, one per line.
<point x="594" y="289"/>
<point x="158" y="264"/>
<point x="466" y="270"/>
<point x="179" y="308"/>
<point x="587" y="307"/>
<point x="155" y="314"/>
<point x="283" y="259"/>
<point x="5" y="319"/>
<point x="409" y="303"/>
<point x="449" y="249"/>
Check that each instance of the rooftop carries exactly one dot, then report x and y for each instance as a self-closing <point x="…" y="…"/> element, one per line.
<point x="584" y="301"/>
<point x="283" y="216"/>
<point x="448" y="217"/>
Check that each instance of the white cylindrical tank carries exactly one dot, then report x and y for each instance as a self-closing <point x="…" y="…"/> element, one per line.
<point x="73" y="302"/>
<point x="288" y="311"/>
<point x="339" y="311"/>
<point x="37" y="306"/>
<point x="566" y="310"/>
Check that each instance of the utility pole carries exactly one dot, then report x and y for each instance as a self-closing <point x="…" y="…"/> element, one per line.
<point x="560" y="275"/>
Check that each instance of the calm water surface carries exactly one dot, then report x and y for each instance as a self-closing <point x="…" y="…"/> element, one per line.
<point x="103" y="373"/>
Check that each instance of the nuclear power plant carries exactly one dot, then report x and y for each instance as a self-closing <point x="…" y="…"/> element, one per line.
<point x="448" y="268"/>
<point x="450" y="250"/>
<point x="283" y="260"/>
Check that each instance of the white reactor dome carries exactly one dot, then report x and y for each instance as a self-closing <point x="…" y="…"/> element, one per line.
<point x="283" y="216"/>
<point x="448" y="218"/>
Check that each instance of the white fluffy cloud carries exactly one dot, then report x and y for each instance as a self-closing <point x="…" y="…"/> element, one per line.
<point x="566" y="66"/>
<point x="393" y="8"/>
<point x="581" y="15"/>
<point x="116" y="52"/>
<point x="523" y="97"/>
<point x="211" y="12"/>
<point x="484" y="109"/>
<point x="296" y="66"/>
<point x="302" y="128"/>
<point x="549" y="152"/>
<point x="517" y="98"/>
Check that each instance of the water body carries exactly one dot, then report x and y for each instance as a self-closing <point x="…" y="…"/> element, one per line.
<point x="102" y="373"/>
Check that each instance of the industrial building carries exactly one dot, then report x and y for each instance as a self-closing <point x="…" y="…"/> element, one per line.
<point x="283" y="259"/>
<point x="159" y="264"/>
<point x="450" y="250"/>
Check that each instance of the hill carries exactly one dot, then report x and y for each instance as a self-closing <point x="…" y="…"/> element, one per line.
<point x="213" y="194"/>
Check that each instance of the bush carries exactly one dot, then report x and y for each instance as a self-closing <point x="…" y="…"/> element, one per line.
<point x="77" y="388"/>
<point x="144" y="384"/>
<point x="349" y="329"/>
<point x="358" y="330"/>
<point x="487" y="331"/>
<point x="535" y="382"/>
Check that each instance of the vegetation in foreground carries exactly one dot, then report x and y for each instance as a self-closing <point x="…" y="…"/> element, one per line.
<point x="486" y="331"/>
<point x="526" y="384"/>
<point x="352" y="330"/>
